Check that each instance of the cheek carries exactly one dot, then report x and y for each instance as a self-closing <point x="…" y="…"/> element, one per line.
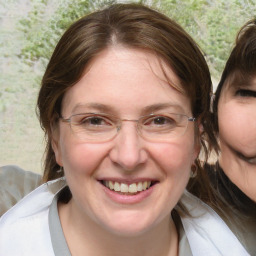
<point x="79" y="158"/>
<point x="175" y="162"/>
<point x="174" y="158"/>
<point x="237" y="125"/>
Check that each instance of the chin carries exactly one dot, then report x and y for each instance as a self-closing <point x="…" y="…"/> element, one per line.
<point x="129" y="225"/>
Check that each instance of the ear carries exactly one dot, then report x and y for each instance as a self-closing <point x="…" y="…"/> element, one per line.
<point x="55" y="143"/>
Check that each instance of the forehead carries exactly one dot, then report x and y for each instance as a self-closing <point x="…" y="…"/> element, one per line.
<point x="239" y="80"/>
<point x="126" y="78"/>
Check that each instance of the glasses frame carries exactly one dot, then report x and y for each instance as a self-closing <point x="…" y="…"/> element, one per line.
<point x="118" y="126"/>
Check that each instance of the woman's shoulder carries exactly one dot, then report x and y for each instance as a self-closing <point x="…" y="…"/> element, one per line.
<point x="24" y="228"/>
<point x="36" y="201"/>
<point x="238" y="210"/>
<point x="13" y="174"/>
<point x="15" y="183"/>
<point x="206" y="232"/>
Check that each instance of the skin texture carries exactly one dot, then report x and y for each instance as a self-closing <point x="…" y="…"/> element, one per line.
<point x="237" y="132"/>
<point x="125" y="81"/>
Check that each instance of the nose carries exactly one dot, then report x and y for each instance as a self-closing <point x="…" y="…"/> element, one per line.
<point x="128" y="151"/>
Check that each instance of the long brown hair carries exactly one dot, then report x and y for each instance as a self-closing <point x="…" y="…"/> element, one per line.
<point x="134" y="26"/>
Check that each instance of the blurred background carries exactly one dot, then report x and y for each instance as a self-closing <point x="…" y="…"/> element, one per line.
<point x="30" y="29"/>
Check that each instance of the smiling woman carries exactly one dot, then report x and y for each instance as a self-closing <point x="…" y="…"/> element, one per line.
<point x="124" y="103"/>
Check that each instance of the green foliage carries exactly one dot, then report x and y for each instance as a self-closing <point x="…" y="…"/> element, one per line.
<point x="42" y="35"/>
<point x="213" y="24"/>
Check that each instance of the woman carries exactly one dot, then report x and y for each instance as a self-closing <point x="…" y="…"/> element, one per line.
<point x="234" y="175"/>
<point x="121" y="102"/>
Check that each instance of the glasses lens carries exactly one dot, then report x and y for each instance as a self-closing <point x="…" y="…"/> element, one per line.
<point x="93" y="127"/>
<point x="163" y="127"/>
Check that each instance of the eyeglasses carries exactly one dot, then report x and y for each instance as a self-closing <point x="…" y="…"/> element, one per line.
<point x="100" y="127"/>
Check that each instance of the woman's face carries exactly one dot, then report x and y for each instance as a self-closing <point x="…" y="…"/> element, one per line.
<point x="126" y="83"/>
<point x="237" y="132"/>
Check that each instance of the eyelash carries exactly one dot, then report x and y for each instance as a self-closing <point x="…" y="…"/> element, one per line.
<point x="245" y="93"/>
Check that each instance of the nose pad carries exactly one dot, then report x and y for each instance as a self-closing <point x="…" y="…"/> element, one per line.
<point x="128" y="151"/>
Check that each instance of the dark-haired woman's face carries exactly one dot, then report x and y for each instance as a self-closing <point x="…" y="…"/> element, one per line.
<point x="127" y="182"/>
<point x="237" y="132"/>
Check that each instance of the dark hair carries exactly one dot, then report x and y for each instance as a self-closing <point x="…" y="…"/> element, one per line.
<point x="240" y="68"/>
<point x="133" y="26"/>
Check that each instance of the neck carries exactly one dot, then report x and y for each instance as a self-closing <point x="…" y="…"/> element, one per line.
<point x="88" y="238"/>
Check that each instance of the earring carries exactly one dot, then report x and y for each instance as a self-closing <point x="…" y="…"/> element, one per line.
<point x="60" y="170"/>
<point x="211" y="102"/>
<point x="193" y="171"/>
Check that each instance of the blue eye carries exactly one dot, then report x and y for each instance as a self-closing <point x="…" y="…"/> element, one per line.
<point x="245" y="93"/>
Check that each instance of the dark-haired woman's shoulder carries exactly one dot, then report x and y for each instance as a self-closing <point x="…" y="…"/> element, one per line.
<point x="15" y="183"/>
<point x="237" y="209"/>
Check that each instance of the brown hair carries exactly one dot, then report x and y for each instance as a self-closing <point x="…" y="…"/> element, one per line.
<point x="240" y="68"/>
<point x="131" y="25"/>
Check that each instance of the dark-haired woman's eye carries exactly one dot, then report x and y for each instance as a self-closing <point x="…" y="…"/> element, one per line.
<point x="245" y="93"/>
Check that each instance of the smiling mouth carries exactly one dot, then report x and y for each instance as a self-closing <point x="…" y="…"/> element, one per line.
<point x="250" y="160"/>
<point x="128" y="189"/>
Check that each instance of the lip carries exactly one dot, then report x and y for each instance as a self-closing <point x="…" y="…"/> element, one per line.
<point x="250" y="160"/>
<point x="127" y="181"/>
<point x="128" y="199"/>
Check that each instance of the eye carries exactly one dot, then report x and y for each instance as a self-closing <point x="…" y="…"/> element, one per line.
<point x="89" y="121"/>
<point x="245" y="93"/>
<point x="95" y="121"/>
<point x="160" y="121"/>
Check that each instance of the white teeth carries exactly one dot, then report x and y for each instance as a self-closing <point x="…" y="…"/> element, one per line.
<point x="125" y="188"/>
<point x="139" y="186"/>
<point x="111" y="185"/>
<point x="144" y="185"/>
<point x="133" y="188"/>
<point x="117" y="186"/>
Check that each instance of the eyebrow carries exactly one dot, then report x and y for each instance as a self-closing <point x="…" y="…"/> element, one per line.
<point x="94" y="106"/>
<point x="109" y="109"/>
<point x="244" y="83"/>
<point x="161" y="106"/>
